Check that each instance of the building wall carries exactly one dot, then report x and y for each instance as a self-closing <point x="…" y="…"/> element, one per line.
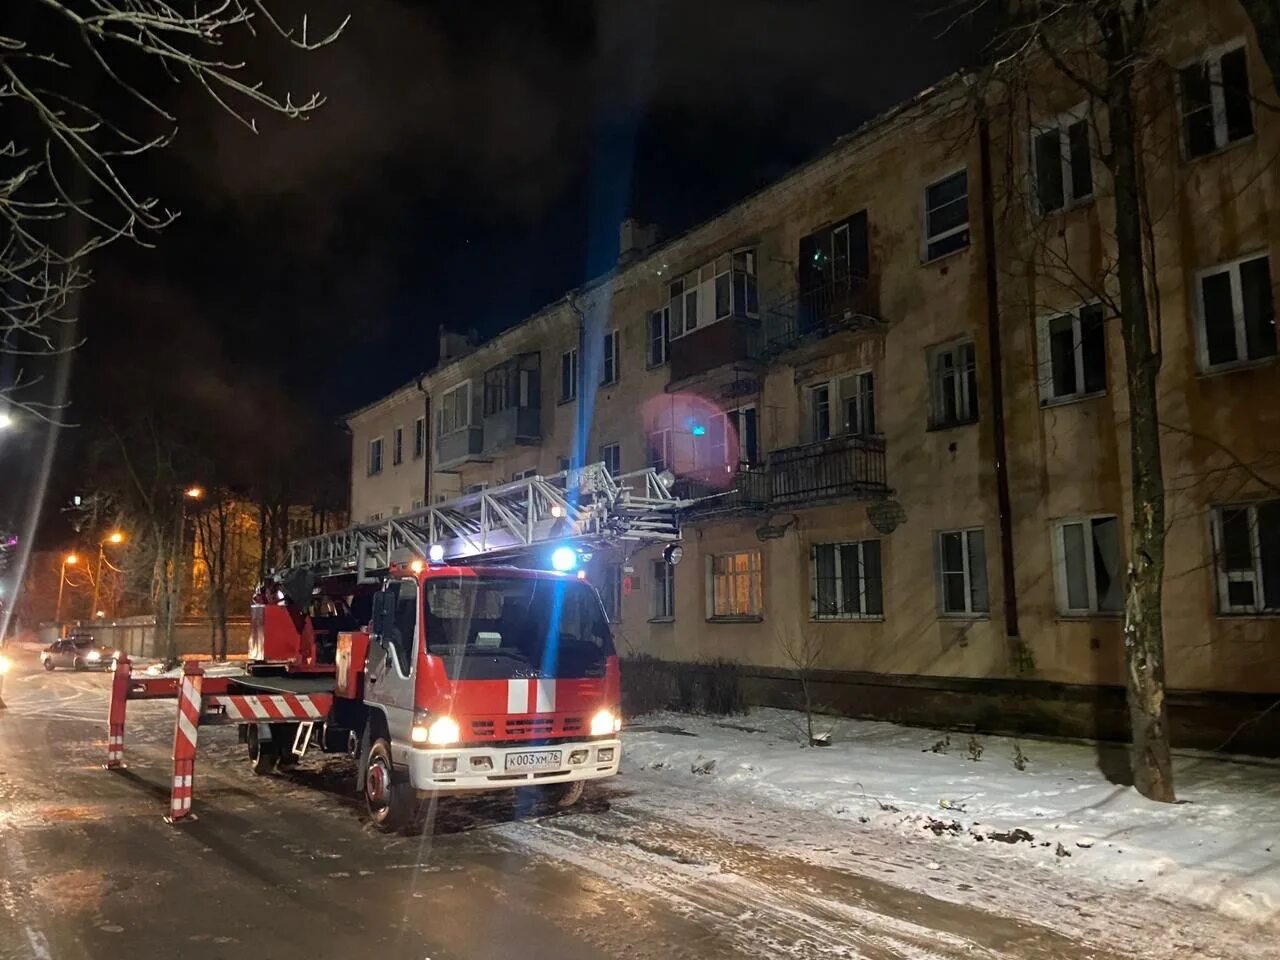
<point x="396" y="488"/>
<point x="1222" y="429"/>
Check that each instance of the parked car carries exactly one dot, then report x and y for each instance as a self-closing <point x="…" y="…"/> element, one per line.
<point x="76" y="653"/>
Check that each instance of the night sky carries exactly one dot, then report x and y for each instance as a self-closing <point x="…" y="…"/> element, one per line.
<point x="471" y="164"/>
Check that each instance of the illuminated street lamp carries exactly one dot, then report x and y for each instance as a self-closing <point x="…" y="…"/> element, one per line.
<point x="116" y="538"/>
<point x="194" y="493"/>
<point x="6" y="420"/>
<point x="70" y="560"/>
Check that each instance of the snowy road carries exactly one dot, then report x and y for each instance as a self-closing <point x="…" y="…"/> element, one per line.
<point x="648" y="868"/>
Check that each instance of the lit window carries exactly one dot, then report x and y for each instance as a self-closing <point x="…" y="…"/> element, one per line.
<point x="735" y="585"/>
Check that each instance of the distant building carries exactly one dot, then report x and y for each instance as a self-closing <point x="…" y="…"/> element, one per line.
<point x="815" y="367"/>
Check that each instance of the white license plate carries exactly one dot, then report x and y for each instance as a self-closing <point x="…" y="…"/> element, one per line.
<point x="541" y="760"/>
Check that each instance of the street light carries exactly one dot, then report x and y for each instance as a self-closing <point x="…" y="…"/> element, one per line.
<point x="115" y="537"/>
<point x="6" y="421"/>
<point x="195" y="493"/>
<point x="70" y="560"/>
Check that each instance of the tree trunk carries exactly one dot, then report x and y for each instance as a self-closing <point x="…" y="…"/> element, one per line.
<point x="1143" y="628"/>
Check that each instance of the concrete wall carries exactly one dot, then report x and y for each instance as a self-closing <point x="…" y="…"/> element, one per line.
<point x="137" y="636"/>
<point x="1222" y="429"/>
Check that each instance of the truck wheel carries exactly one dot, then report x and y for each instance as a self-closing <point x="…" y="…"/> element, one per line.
<point x="262" y="753"/>
<point x="554" y="796"/>
<point x="48" y="665"/>
<point x="391" y="803"/>
<point x="282" y="735"/>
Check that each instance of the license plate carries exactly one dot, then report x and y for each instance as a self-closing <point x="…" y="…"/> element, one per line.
<point x="541" y="760"/>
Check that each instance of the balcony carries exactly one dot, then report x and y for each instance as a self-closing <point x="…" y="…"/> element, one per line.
<point x="841" y="468"/>
<point x="733" y="339"/>
<point x="811" y="314"/>
<point x="458" y="447"/>
<point x="514" y="426"/>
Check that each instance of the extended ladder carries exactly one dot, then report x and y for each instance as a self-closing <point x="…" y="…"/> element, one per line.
<point x="586" y="506"/>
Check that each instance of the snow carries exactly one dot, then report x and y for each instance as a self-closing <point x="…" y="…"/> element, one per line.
<point x="1218" y="848"/>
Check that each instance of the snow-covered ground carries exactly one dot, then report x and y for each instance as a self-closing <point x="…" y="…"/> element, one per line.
<point x="1219" y="847"/>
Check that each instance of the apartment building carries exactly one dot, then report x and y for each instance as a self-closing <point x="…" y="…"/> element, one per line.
<point x="389" y="441"/>
<point x="818" y="367"/>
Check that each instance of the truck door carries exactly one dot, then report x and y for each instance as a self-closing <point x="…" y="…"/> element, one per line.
<point x="389" y="672"/>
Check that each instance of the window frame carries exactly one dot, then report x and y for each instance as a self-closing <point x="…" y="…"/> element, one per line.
<point x="662" y="339"/>
<point x="927" y="239"/>
<point x="611" y="358"/>
<point x="397" y="445"/>
<point x="419" y="438"/>
<point x="708" y="274"/>
<point x="665" y="462"/>
<point x="1062" y="124"/>
<point x="1061" y="587"/>
<point x="1212" y="57"/>
<point x="731" y="415"/>
<point x="837" y="424"/>
<point x="969" y="613"/>
<point x="373" y="470"/>
<point x="1256" y="576"/>
<point x="1232" y="269"/>
<point x="662" y="592"/>
<point x="838" y="553"/>
<point x="754" y="575"/>
<point x="965" y="418"/>
<point x="465" y="385"/>
<point x="1044" y="347"/>
<point x="575" y="374"/>
<point x="612" y="451"/>
<point x="524" y="474"/>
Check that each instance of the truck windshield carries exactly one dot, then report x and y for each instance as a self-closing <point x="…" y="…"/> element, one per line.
<point x="509" y="627"/>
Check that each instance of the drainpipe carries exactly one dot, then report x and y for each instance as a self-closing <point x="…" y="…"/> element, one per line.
<point x="997" y="384"/>
<point x="426" y="441"/>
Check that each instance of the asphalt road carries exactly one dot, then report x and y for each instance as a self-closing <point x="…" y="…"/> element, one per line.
<point x="286" y="867"/>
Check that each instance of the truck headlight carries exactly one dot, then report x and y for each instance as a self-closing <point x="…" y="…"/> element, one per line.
<point x="5" y="664"/>
<point x="604" y="723"/>
<point x="93" y="656"/>
<point x="441" y="732"/>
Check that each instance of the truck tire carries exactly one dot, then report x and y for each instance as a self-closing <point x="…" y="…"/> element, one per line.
<point x="282" y="735"/>
<point x="48" y="664"/>
<point x="262" y="753"/>
<point x="554" y="796"/>
<point x="391" y="802"/>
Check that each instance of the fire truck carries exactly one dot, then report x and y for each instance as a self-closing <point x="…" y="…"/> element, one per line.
<point x="455" y="648"/>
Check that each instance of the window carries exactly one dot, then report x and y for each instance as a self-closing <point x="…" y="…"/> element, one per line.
<point x="611" y="592"/>
<point x="524" y="474"/>
<point x="419" y="437"/>
<point x="955" y="385"/>
<point x="611" y="457"/>
<point x="418" y="504"/>
<point x="455" y="409"/>
<point x="946" y="216"/>
<point x="568" y="375"/>
<point x="564" y="463"/>
<point x="395" y="511"/>
<point x="659" y="449"/>
<point x="1237" y="315"/>
<point x="375" y="517"/>
<point x="962" y="572"/>
<point x="609" y="369"/>
<point x="1247" y="547"/>
<point x="1087" y="562"/>
<point x="845" y="580"/>
<point x="844" y="406"/>
<point x="1215" y="102"/>
<point x="735" y="585"/>
<point x="375" y="456"/>
<point x="1063" y="165"/>
<point x="728" y="284"/>
<point x="1073" y="354"/>
<point x="397" y="447"/>
<point x="662" y="591"/>
<point x="476" y="488"/>
<point x="659" y="332"/>
<point x="733" y="437"/>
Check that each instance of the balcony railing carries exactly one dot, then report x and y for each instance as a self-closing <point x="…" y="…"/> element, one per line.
<point x="843" y="303"/>
<point x="839" y="468"/>
<point x="842" y="468"/>
<point x="458" y="447"/>
<point x="512" y="426"/>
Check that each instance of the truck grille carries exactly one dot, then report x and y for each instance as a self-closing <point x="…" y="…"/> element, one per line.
<point x="519" y="728"/>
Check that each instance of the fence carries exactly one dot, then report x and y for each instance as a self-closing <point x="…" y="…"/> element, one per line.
<point x="138" y="636"/>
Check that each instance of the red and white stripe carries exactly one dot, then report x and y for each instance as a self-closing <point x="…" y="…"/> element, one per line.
<point x="115" y="747"/>
<point x="286" y="706"/>
<point x="185" y="732"/>
<point x="531" y="696"/>
<point x="116" y="713"/>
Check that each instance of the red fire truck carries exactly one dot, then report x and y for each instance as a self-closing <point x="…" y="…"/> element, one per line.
<point x="455" y="648"/>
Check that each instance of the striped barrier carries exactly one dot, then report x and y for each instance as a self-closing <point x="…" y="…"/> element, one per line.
<point x="185" y="731"/>
<point x="116" y="712"/>
<point x="272" y="708"/>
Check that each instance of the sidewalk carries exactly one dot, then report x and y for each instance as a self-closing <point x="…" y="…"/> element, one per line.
<point x="1219" y="847"/>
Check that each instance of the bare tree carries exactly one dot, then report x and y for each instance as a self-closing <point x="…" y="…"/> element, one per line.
<point x="803" y="651"/>
<point x="68" y="183"/>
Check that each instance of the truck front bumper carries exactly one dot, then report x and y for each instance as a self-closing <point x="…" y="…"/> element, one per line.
<point x="496" y="768"/>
